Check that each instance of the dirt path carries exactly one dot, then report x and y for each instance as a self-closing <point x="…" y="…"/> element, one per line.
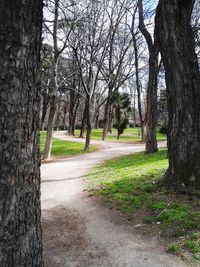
<point x="79" y="232"/>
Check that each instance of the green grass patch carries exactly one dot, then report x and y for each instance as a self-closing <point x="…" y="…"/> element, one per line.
<point x="63" y="148"/>
<point x="129" y="135"/>
<point x="130" y="184"/>
<point x="173" y="248"/>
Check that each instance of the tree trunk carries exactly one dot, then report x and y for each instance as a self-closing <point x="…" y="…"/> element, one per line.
<point x="106" y="114"/>
<point x="151" y="115"/>
<point x="72" y="115"/>
<point x="48" y="144"/>
<point x="64" y="116"/>
<point x="53" y="99"/>
<point x="83" y="121"/>
<point x="96" y="124"/>
<point x="57" y="122"/>
<point x="44" y="113"/>
<point x="20" y="211"/>
<point x="88" y="120"/>
<point x="110" y="120"/>
<point x="138" y="87"/>
<point x="176" y="39"/>
<point x="71" y="112"/>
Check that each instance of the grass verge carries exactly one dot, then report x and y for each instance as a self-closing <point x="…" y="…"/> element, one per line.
<point x="129" y="135"/>
<point x="130" y="184"/>
<point x="63" y="148"/>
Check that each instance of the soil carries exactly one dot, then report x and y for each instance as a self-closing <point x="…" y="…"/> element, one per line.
<point x="78" y="231"/>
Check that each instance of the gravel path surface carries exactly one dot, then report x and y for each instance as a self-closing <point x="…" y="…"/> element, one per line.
<point x="79" y="231"/>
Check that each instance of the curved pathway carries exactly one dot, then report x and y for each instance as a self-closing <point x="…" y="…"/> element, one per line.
<point x="79" y="231"/>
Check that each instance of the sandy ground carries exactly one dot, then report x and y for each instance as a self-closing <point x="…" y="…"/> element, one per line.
<point x="78" y="231"/>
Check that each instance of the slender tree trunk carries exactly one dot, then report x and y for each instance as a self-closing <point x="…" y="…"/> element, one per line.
<point x="58" y="116"/>
<point x="20" y="211"/>
<point x="151" y="115"/>
<point x="64" y="117"/>
<point x="177" y="47"/>
<point x="110" y="119"/>
<point x="88" y="120"/>
<point x="72" y="125"/>
<point x="44" y="113"/>
<point x="118" y="135"/>
<point x="106" y="114"/>
<point x="71" y="110"/>
<point x="106" y="121"/>
<point x="96" y="125"/>
<point x="83" y="121"/>
<point x="138" y="88"/>
<point x="50" y="125"/>
<point x="72" y="116"/>
<point x="53" y="100"/>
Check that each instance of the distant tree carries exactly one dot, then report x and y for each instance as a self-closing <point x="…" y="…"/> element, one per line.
<point x="20" y="214"/>
<point x="60" y="25"/>
<point x="122" y="109"/>
<point x="177" y="46"/>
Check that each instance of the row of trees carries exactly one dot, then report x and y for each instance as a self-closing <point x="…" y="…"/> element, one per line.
<point x="95" y="49"/>
<point x="20" y="47"/>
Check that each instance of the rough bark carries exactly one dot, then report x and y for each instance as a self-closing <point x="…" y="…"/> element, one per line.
<point x="20" y="227"/>
<point x="177" y="47"/>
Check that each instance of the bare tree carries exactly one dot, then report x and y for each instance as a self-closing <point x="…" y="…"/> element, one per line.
<point x="151" y="113"/>
<point x="116" y="69"/>
<point x="60" y="28"/>
<point x="90" y="51"/>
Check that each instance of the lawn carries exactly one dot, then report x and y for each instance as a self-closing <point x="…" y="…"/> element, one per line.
<point x="63" y="148"/>
<point x="129" y="135"/>
<point x="130" y="184"/>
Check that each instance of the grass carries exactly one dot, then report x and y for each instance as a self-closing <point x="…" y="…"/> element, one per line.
<point x="129" y="135"/>
<point x="63" y="148"/>
<point x="130" y="184"/>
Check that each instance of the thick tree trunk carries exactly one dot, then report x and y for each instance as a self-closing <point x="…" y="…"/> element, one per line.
<point x="183" y="92"/>
<point x="20" y="226"/>
<point x="88" y="120"/>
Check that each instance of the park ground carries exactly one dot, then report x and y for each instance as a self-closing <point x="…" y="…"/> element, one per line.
<point x="104" y="209"/>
